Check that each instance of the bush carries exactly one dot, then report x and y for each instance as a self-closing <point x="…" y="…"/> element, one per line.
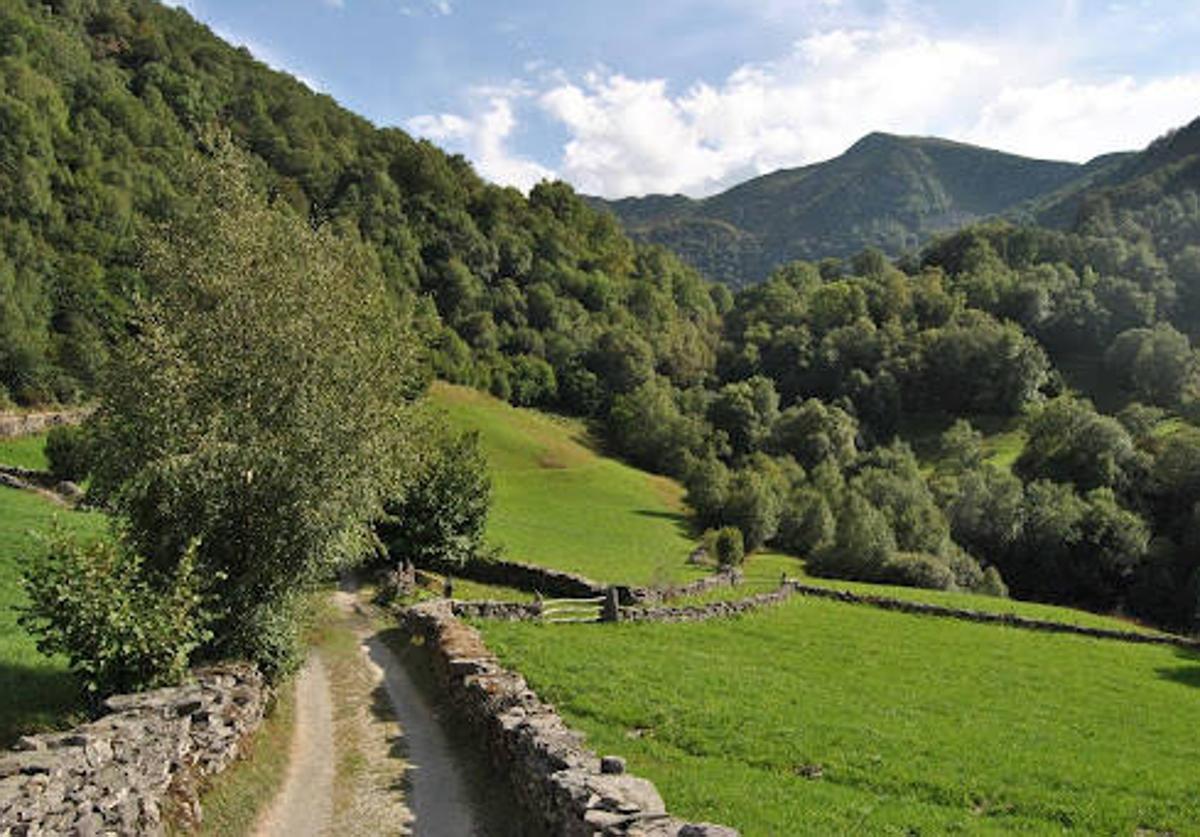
<point x="916" y="569"/>
<point x="122" y="628"/>
<point x="992" y="584"/>
<point x="444" y="511"/>
<point x="67" y="452"/>
<point x="726" y="545"/>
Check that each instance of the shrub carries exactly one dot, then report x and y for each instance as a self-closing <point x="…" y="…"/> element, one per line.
<point x="916" y="569"/>
<point x="726" y="545"/>
<point x="67" y="452"/>
<point x="122" y="627"/>
<point x="992" y="584"/>
<point x="443" y="513"/>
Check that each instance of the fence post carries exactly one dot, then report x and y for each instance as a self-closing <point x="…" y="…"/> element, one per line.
<point x="612" y="606"/>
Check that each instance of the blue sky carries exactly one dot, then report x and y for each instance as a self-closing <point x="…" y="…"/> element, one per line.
<point x="626" y="97"/>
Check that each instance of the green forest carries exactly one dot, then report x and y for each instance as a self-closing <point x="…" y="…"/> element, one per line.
<point x="841" y="409"/>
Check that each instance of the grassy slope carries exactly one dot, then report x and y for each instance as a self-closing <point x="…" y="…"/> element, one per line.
<point x="560" y="504"/>
<point x="920" y="725"/>
<point x="38" y="691"/>
<point x="24" y="452"/>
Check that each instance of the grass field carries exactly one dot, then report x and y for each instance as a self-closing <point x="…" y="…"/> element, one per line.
<point x="817" y="717"/>
<point x="38" y="691"/>
<point x="24" y="452"/>
<point x="561" y="504"/>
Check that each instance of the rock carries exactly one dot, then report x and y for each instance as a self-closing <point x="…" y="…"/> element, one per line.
<point x="612" y="764"/>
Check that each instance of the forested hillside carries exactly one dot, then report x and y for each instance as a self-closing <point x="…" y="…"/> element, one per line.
<point x="538" y="299"/>
<point x="886" y="191"/>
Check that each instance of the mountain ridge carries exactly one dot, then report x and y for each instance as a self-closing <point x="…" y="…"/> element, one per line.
<point x="886" y="190"/>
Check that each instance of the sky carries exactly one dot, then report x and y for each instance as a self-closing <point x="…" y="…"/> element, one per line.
<point x="630" y="97"/>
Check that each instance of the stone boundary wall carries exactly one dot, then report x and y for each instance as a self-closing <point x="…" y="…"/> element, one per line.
<point x="535" y="579"/>
<point x="149" y="751"/>
<point x="558" y="584"/>
<point x="1010" y="619"/>
<point x="717" y="610"/>
<point x="731" y="577"/>
<point x="566" y="789"/>
<point x="27" y="479"/>
<point x="500" y="611"/>
<point x="702" y="612"/>
<point x="25" y="424"/>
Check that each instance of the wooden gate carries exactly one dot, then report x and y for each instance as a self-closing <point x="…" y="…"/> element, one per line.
<point x="561" y="611"/>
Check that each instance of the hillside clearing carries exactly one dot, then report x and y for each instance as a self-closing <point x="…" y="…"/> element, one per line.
<point x="559" y="503"/>
<point x="818" y="717"/>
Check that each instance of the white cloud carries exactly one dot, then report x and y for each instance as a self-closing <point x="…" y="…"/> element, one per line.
<point x="1070" y="120"/>
<point x="484" y="138"/>
<point x="633" y="136"/>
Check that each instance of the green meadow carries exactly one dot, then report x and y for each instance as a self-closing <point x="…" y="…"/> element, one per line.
<point x="817" y="717"/>
<point x="38" y="691"/>
<point x="559" y="503"/>
<point x="25" y="452"/>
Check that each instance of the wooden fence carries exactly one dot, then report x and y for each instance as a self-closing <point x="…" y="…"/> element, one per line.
<point x="561" y="611"/>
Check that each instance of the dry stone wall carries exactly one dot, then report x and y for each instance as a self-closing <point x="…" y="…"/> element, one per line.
<point x="1010" y="619"/>
<point x="558" y="584"/>
<point x="24" y="424"/>
<point x="118" y="773"/>
<point x="565" y="788"/>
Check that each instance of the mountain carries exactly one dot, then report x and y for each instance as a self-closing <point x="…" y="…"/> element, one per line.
<point x="1168" y="167"/>
<point x="886" y="191"/>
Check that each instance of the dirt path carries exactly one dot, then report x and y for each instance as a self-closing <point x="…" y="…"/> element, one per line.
<point x="359" y="709"/>
<point x="304" y="806"/>
<point x="437" y="793"/>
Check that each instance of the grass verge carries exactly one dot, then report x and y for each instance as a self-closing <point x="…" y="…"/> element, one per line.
<point x="234" y="800"/>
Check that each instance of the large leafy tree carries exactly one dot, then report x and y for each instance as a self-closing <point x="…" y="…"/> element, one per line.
<point x="265" y="406"/>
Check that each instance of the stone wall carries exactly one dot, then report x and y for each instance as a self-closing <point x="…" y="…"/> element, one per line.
<point x="27" y="479"/>
<point x="566" y="789"/>
<point x="149" y="751"/>
<point x="734" y="607"/>
<point x="702" y="612"/>
<point x="24" y="424"/>
<point x="535" y="579"/>
<point x="500" y="611"/>
<point x="1010" y="619"/>
<point x="558" y="584"/>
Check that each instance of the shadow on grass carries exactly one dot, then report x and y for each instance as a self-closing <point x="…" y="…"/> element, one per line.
<point x="37" y="699"/>
<point x="684" y="523"/>
<point x="1187" y="674"/>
